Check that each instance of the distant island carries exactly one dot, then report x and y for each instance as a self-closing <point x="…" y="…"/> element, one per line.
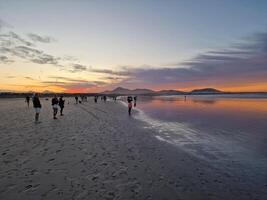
<point x="120" y="91"/>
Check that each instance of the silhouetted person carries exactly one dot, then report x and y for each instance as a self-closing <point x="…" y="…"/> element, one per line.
<point x="130" y="105"/>
<point x="27" y="100"/>
<point x="96" y="97"/>
<point x="61" y="103"/>
<point x="76" y="99"/>
<point x="185" y="97"/>
<point x="55" y="106"/>
<point x="37" y="106"/>
<point x="105" y="98"/>
<point x="135" y="99"/>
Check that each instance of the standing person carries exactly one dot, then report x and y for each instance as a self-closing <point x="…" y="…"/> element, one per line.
<point x="135" y="99"/>
<point x="76" y="98"/>
<point x="96" y="97"/>
<point x="37" y="106"/>
<point x="28" y="101"/>
<point x="61" y="105"/>
<point x="105" y="98"/>
<point x="130" y="105"/>
<point x="55" y="106"/>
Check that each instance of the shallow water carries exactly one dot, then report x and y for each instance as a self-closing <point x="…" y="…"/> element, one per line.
<point x="217" y="128"/>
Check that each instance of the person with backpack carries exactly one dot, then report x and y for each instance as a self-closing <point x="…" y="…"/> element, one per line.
<point x="55" y="106"/>
<point x="37" y="106"/>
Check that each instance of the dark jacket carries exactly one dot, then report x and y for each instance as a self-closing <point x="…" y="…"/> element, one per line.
<point x="36" y="102"/>
<point x="129" y="99"/>
<point x="61" y="102"/>
<point x="54" y="101"/>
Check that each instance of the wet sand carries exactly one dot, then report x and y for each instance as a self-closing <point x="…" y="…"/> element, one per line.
<point x="96" y="151"/>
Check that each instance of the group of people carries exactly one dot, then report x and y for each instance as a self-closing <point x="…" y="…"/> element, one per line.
<point x="56" y="104"/>
<point x="59" y="103"/>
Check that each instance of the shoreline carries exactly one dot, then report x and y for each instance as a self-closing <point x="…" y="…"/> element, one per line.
<point x="96" y="151"/>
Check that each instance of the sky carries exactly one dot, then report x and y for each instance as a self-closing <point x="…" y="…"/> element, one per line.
<point x="97" y="45"/>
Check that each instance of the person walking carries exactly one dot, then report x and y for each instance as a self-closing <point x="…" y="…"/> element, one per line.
<point x="130" y="105"/>
<point x="55" y="106"/>
<point x="135" y="99"/>
<point x="61" y="105"/>
<point x="27" y="100"/>
<point x="37" y="106"/>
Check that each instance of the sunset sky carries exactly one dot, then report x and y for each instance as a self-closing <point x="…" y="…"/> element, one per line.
<point x="97" y="45"/>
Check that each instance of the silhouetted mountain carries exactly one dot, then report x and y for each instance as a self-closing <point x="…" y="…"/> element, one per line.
<point x="206" y="91"/>
<point x="142" y="91"/>
<point x="124" y="91"/>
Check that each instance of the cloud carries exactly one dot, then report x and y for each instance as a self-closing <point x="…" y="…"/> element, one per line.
<point x="121" y="72"/>
<point x="13" y="45"/>
<point x="71" y="85"/>
<point x="42" y="39"/>
<point x="242" y="61"/>
<point x="15" y="38"/>
<point x="5" y="60"/>
<point x="29" y="78"/>
<point x="31" y="54"/>
<point x="10" y="76"/>
<point x="78" y="68"/>
<point x="67" y="80"/>
<point x="63" y="78"/>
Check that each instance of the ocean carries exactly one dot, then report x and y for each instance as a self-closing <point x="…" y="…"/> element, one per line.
<point x="229" y="131"/>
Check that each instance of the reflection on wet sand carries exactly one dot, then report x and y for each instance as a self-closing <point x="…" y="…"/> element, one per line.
<point x="218" y="130"/>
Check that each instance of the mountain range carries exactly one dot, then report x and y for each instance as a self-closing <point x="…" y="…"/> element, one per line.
<point x="125" y="91"/>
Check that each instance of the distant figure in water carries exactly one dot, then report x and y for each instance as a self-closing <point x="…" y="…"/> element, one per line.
<point x="130" y="105"/>
<point x="37" y="106"/>
<point x="185" y="98"/>
<point x="105" y="98"/>
<point x="76" y="99"/>
<point x="135" y="99"/>
<point x="96" y="97"/>
<point x="28" y="101"/>
<point x="61" y="105"/>
<point x="55" y="106"/>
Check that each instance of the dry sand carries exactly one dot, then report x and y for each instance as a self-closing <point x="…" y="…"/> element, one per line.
<point x="95" y="151"/>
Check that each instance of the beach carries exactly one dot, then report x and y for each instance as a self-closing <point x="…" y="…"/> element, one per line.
<point x="96" y="151"/>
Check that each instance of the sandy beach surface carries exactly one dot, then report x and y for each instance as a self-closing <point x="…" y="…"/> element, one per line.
<point x="96" y="151"/>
